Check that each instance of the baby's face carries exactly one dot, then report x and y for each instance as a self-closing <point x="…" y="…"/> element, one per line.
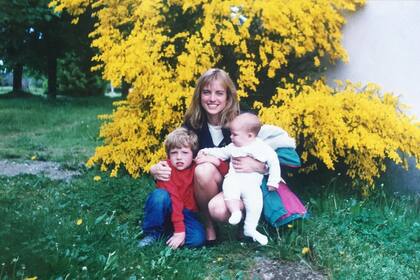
<point x="181" y="158"/>
<point x="239" y="135"/>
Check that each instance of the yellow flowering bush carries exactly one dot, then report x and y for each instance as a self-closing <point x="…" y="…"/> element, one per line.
<point x="270" y="48"/>
<point x="162" y="47"/>
<point x="355" y="125"/>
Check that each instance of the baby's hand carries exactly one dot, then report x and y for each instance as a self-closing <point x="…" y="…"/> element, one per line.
<point x="271" y="188"/>
<point x="201" y="153"/>
<point x="207" y="158"/>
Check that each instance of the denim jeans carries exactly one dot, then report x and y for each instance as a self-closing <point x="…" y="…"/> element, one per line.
<point x="157" y="219"/>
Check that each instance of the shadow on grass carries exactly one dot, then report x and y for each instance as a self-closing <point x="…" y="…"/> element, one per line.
<point x="17" y="94"/>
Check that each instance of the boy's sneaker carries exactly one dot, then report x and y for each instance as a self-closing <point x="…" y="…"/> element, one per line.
<point x="147" y="241"/>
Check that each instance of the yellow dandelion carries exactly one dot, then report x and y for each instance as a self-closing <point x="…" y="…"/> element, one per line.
<point x="33" y="158"/>
<point x="79" y="222"/>
<point x="290" y="226"/>
<point x="305" y="250"/>
<point x="97" y="178"/>
<point x="31" y="278"/>
<point x="219" y="259"/>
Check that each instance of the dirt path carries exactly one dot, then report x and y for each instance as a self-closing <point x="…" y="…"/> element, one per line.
<point x="49" y="169"/>
<point x="268" y="269"/>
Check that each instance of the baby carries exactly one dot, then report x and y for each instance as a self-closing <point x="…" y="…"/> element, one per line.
<point x="244" y="130"/>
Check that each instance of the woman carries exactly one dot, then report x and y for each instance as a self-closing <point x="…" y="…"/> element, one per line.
<point x="213" y="106"/>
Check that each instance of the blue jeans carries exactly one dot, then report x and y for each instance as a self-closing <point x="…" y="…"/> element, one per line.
<point x="157" y="219"/>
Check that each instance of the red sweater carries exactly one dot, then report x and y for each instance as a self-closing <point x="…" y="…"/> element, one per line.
<point x="180" y="188"/>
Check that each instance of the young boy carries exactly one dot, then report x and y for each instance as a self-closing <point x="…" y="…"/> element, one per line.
<point x="171" y="208"/>
<point x="244" y="130"/>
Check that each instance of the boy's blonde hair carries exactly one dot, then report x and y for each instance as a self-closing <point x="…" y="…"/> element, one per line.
<point x="179" y="138"/>
<point x="196" y="116"/>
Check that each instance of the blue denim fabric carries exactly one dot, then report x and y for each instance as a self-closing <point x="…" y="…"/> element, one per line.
<point x="157" y="219"/>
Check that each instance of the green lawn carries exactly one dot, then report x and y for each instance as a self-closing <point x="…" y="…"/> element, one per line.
<point x="5" y="89"/>
<point x="62" y="130"/>
<point x="88" y="229"/>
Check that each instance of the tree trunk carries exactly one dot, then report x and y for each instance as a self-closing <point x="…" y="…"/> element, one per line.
<point x="52" y="75"/>
<point x="17" y="78"/>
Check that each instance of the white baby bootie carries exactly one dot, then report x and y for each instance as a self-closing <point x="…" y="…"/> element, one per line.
<point x="256" y="236"/>
<point x="235" y="218"/>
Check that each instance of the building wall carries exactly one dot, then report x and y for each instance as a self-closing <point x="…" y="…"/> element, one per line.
<point x="383" y="43"/>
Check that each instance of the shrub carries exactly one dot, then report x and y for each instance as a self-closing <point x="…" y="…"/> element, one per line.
<point x="272" y="50"/>
<point x="76" y="79"/>
<point x="161" y="48"/>
<point x="354" y="125"/>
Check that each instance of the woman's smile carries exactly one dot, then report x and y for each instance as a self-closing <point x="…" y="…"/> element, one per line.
<point x="213" y="100"/>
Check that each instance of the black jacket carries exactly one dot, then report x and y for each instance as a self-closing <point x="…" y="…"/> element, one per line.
<point x="204" y="137"/>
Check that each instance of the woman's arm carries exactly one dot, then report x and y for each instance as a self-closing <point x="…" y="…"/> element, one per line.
<point x="161" y="171"/>
<point x="248" y="164"/>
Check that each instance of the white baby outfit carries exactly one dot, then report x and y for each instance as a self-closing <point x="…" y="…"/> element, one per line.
<point x="247" y="185"/>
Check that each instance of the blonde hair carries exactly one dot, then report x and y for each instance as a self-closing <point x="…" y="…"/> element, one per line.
<point x="249" y="122"/>
<point x="196" y="115"/>
<point x="179" y="138"/>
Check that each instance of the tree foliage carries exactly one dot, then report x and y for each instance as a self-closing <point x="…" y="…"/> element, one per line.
<point x="35" y="36"/>
<point x="161" y="48"/>
<point x="16" y="18"/>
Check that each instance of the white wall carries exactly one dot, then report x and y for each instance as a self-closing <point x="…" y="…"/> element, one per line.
<point x="383" y="43"/>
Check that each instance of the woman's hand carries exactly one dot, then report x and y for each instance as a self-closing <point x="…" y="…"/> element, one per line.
<point x="247" y="165"/>
<point x="161" y="171"/>
<point x="203" y="158"/>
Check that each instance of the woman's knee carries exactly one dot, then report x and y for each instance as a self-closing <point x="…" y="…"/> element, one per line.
<point x="207" y="179"/>
<point x="205" y="173"/>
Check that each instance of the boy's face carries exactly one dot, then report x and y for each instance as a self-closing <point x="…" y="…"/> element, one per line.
<point x="181" y="158"/>
<point x="239" y="135"/>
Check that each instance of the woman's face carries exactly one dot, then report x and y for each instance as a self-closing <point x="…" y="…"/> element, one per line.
<point x="214" y="99"/>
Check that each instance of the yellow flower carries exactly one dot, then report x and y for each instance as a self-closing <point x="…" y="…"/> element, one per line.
<point x="305" y="250"/>
<point x="97" y="178"/>
<point x="316" y="61"/>
<point x="31" y="278"/>
<point x="34" y="158"/>
<point x="79" y="222"/>
<point x="289" y="225"/>
<point x="219" y="259"/>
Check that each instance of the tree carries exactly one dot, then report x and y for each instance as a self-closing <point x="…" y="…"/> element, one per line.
<point x="74" y="67"/>
<point x="161" y="47"/>
<point x="37" y="37"/>
<point x="15" y="22"/>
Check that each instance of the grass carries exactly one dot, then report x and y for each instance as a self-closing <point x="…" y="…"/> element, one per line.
<point x="88" y="229"/>
<point x="63" y="130"/>
<point x="5" y="89"/>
